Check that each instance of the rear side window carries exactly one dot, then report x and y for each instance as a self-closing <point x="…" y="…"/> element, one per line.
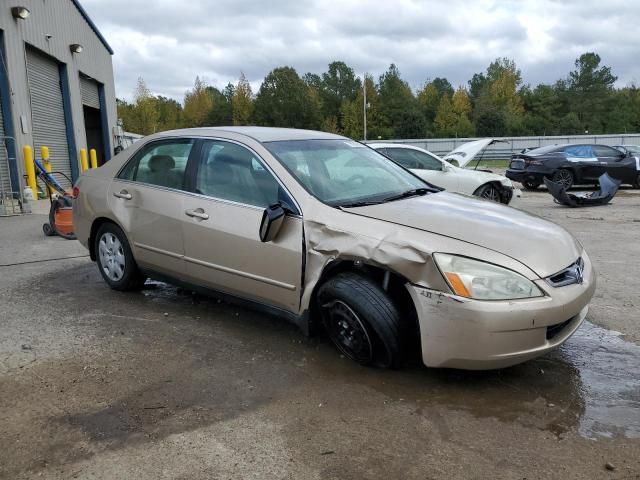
<point x="579" y="151"/>
<point x="160" y="163"/>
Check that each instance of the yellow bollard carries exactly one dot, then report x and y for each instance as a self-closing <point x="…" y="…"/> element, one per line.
<point x="93" y="156"/>
<point x="84" y="165"/>
<point x="30" y="169"/>
<point x="44" y="155"/>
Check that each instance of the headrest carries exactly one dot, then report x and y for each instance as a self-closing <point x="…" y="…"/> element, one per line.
<point x="161" y="163"/>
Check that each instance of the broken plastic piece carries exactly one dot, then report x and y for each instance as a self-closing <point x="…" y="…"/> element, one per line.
<point x="608" y="188"/>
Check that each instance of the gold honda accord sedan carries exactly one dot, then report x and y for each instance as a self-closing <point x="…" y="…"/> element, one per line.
<point x="331" y="234"/>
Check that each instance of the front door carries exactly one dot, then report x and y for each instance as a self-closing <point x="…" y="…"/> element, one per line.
<point x="147" y="200"/>
<point x="618" y="165"/>
<point x="221" y="220"/>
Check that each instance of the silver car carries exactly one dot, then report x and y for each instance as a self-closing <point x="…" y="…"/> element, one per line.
<point x="329" y="233"/>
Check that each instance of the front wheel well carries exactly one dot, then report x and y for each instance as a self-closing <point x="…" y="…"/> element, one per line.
<point x="392" y="283"/>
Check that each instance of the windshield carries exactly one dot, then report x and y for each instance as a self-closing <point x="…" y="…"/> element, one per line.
<point x="343" y="172"/>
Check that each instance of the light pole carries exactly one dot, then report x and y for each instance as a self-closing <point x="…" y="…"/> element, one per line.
<point x="364" y="104"/>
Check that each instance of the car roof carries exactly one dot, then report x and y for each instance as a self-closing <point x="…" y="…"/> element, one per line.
<point x="377" y="145"/>
<point x="261" y="134"/>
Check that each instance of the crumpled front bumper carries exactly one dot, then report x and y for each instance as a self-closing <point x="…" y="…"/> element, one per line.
<point x="458" y="332"/>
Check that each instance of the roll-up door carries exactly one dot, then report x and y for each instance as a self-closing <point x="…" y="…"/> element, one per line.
<point x="89" y="92"/>
<point x="47" y="111"/>
<point x="5" y="179"/>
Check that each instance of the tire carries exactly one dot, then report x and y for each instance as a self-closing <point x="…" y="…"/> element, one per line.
<point x="488" y="191"/>
<point x="563" y="177"/>
<point x="637" y="183"/>
<point x="115" y="260"/>
<point x="361" y="320"/>
<point x="529" y="185"/>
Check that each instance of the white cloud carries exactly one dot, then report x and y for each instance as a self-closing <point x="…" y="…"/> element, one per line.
<point x="169" y="42"/>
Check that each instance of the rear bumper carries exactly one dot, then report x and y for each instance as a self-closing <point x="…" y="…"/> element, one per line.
<point x="458" y="332"/>
<point x="527" y="175"/>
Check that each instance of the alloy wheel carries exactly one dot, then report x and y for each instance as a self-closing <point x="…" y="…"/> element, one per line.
<point x="347" y="332"/>
<point x="491" y="193"/>
<point x="112" y="259"/>
<point x="564" y="178"/>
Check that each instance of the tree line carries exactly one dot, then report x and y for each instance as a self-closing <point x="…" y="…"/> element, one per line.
<point x="493" y="103"/>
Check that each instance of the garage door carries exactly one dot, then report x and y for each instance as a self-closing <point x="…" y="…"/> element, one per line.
<point x="5" y="181"/>
<point x="47" y="111"/>
<point x="89" y="92"/>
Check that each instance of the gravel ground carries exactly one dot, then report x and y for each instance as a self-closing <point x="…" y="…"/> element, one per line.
<point x="98" y="384"/>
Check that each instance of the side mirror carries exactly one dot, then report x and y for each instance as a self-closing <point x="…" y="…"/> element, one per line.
<point x="272" y="220"/>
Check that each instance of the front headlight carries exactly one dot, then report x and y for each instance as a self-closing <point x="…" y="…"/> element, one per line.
<point x="484" y="281"/>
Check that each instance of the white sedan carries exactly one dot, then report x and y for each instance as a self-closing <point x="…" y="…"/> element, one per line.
<point x="441" y="173"/>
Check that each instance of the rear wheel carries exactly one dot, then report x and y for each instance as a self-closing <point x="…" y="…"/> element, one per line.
<point x="530" y="185"/>
<point x="115" y="260"/>
<point x="564" y="178"/>
<point x="361" y="320"/>
<point x="488" y="191"/>
<point x="637" y="184"/>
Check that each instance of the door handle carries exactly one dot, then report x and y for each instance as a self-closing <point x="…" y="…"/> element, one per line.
<point x="123" y="194"/>
<point x="197" y="213"/>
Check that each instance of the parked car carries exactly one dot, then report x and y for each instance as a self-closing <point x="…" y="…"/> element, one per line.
<point x="326" y="231"/>
<point x="573" y="165"/>
<point x="441" y="173"/>
<point x="633" y="150"/>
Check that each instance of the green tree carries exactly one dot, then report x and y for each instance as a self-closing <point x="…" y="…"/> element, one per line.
<point x="242" y="102"/>
<point x="338" y="85"/>
<point x="197" y="105"/>
<point x="353" y="114"/>
<point x="399" y="110"/>
<point x="221" y="111"/>
<point x="169" y="113"/>
<point x="590" y="88"/>
<point x="285" y="100"/>
<point x="428" y="99"/>
<point x="461" y="106"/>
<point x="145" y="118"/>
<point x="446" y="119"/>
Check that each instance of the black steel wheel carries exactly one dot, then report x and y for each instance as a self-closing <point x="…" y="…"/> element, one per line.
<point x="530" y="185"/>
<point x="348" y="333"/>
<point x="488" y="191"/>
<point x="361" y="320"/>
<point x="563" y="177"/>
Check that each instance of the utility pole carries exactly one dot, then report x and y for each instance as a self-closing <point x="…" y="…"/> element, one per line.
<point x="364" y="104"/>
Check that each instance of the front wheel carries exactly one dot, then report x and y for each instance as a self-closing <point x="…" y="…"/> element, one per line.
<point x="115" y="260"/>
<point x="637" y="184"/>
<point x="488" y="191"/>
<point x="361" y="320"/>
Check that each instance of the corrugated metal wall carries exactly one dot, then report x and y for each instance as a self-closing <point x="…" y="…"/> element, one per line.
<point x="52" y="27"/>
<point x="5" y="180"/>
<point x="89" y="92"/>
<point x="47" y="111"/>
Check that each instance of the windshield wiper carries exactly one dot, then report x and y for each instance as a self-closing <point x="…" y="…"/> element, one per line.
<point x="359" y="204"/>
<point x="414" y="192"/>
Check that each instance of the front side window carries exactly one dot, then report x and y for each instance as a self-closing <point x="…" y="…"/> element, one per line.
<point x="605" y="151"/>
<point x="343" y="172"/>
<point x="231" y="172"/>
<point x="415" y="159"/>
<point x="160" y="163"/>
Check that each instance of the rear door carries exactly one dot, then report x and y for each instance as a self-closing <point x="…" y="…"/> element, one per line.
<point x="617" y="164"/>
<point x="585" y="163"/>
<point x="221" y="220"/>
<point x="147" y="200"/>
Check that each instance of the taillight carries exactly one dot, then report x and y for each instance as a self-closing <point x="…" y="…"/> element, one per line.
<point x="75" y="192"/>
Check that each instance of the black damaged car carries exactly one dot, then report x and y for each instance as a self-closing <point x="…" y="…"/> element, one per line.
<point x="573" y="165"/>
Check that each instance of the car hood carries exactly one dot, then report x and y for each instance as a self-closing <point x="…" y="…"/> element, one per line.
<point x="542" y="246"/>
<point x="468" y="151"/>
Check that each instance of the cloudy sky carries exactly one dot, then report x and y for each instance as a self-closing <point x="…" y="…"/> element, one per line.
<point x="169" y="42"/>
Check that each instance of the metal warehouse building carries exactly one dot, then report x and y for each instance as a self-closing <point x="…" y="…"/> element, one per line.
<point x="56" y="87"/>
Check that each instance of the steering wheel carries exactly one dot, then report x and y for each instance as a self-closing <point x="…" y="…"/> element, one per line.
<point x="355" y="180"/>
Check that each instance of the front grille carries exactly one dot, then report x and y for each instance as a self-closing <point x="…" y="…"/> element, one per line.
<point x="517" y="164"/>
<point x="570" y="275"/>
<point x="554" y="330"/>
